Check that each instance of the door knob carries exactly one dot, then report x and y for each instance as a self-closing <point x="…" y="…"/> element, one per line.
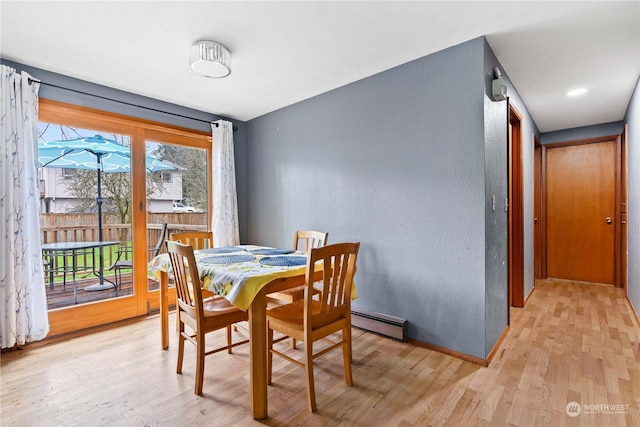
<point x="608" y="219"/>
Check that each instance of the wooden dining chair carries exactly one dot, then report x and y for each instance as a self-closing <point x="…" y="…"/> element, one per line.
<point x="311" y="319"/>
<point x="307" y="240"/>
<point x="201" y="315"/>
<point x="196" y="239"/>
<point x="123" y="258"/>
<point x="302" y="241"/>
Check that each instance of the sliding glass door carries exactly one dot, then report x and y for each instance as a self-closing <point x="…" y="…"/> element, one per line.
<point x="108" y="185"/>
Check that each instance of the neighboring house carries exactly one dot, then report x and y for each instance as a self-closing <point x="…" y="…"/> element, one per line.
<point x="56" y="197"/>
<point x="170" y="191"/>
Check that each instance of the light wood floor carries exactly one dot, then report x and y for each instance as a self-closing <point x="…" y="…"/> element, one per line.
<point x="572" y="342"/>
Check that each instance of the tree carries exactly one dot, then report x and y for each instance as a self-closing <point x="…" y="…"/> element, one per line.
<point x="193" y="163"/>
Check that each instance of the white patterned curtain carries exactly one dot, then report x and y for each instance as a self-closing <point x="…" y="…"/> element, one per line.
<point x="225" y="202"/>
<point x="23" y="301"/>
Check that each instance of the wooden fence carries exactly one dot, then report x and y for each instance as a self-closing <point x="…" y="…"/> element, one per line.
<point x="84" y="227"/>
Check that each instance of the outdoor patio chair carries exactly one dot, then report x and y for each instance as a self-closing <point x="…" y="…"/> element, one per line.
<point x="123" y="258"/>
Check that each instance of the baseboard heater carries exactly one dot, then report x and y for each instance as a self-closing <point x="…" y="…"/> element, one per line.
<point x="383" y="324"/>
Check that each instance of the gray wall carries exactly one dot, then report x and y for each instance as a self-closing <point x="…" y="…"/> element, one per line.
<point x="395" y="161"/>
<point x="145" y="111"/>
<point x="632" y="119"/>
<point x="496" y="176"/>
<point x="496" y="230"/>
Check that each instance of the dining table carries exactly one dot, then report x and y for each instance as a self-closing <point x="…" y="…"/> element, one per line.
<point x="245" y="275"/>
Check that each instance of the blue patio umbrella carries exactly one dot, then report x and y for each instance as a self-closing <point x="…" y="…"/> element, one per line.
<point x="93" y="153"/>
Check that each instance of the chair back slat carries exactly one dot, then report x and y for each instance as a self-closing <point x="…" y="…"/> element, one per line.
<point x="340" y="274"/>
<point x="196" y="239"/>
<point x="306" y="240"/>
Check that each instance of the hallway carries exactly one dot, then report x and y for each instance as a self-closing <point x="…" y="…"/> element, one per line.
<point x="572" y="342"/>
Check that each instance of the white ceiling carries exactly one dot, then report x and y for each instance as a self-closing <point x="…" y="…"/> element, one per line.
<point x="284" y="52"/>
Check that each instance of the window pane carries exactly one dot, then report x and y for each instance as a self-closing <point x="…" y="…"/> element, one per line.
<point x="86" y="227"/>
<point x="178" y="197"/>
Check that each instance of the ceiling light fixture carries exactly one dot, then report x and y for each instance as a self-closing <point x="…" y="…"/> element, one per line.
<point x="210" y="59"/>
<point x="577" y="92"/>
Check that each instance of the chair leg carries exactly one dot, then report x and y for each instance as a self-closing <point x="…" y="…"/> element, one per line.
<point x="269" y="354"/>
<point x="346" y="354"/>
<point x="119" y="278"/>
<point x="293" y="343"/>
<point x="308" y="367"/>
<point x="229" y="348"/>
<point x="181" y="340"/>
<point x="199" y="362"/>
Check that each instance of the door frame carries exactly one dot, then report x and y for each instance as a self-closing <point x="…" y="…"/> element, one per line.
<point x="623" y="208"/>
<point x="539" y="238"/>
<point x="620" y="184"/>
<point x="515" y="207"/>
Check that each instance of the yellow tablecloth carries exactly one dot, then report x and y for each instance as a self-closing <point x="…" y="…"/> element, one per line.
<point x="238" y="282"/>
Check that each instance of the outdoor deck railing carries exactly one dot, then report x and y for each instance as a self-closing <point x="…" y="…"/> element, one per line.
<point x="81" y="228"/>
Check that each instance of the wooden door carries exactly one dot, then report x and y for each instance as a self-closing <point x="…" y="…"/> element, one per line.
<point x="580" y="190"/>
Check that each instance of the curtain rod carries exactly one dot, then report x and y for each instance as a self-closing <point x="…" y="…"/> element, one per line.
<point x="31" y="80"/>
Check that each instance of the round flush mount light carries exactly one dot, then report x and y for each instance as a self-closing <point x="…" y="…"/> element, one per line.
<point x="210" y="59"/>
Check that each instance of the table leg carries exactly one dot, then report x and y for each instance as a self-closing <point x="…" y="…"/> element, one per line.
<point x="164" y="309"/>
<point x="258" y="356"/>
